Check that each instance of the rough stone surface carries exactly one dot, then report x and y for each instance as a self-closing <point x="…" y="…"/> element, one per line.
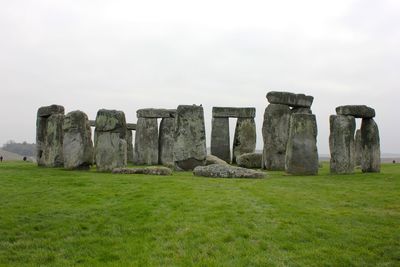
<point x="166" y="141"/>
<point x="301" y="152"/>
<point x="357" y="148"/>
<point x="211" y="159"/>
<point x="155" y="113"/>
<point x="250" y="160"/>
<point x="220" y="139"/>
<point x="146" y="142"/>
<point x="147" y="170"/>
<point x="49" y="136"/>
<point x="129" y="143"/>
<point x="290" y="99"/>
<point x="77" y="143"/>
<point x="110" y="140"/>
<point x="358" y="111"/>
<point x="370" y="146"/>
<point x="231" y="112"/>
<point x="275" y="135"/>
<point x="245" y="137"/>
<point x="227" y="171"/>
<point x="190" y="137"/>
<point x="301" y="110"/>
<point x="131" y="126"/>
<point x="341" y="144"/>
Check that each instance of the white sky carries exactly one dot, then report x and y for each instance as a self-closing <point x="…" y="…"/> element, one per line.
<point x="128" y="55"/>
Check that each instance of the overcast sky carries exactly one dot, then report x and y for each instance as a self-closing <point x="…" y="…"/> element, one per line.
<point x="128" y="55"/>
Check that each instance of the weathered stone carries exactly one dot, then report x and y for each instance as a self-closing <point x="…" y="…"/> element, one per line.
<point x="358" y="111"/>
<point x="245" y="137"/>
<point x="129" y="143"/>
<point x="301" y="110"/>
<point x="226" y="171"/>
<point x="370" y="146"/>
<point x="166" y="141"/>
<point x="275" y="135"/>
<point x="155" y="113"/>
<point x="341" y="144"/>
<point x="146" y="142"/>
<point x="77" y="143"/>
<point x="220" y="139"/>
<point x="49" y="136"/>
<point x="301" y="152"/>
<point x="131" y="126"/>
<point x="92" y="123"/>
<point x="211" y="159"/>
<point x="110" y="140"/>
<point x="250" y="160"/>
<point x="358" y="149"/>
<point x="230" y="112"/>
<point x="190" y="137"/>
<point x="153" y="170"/>
<point x="290" y="99"/>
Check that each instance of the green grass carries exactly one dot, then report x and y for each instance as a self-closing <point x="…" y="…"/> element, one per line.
<point x="56" y="217"/>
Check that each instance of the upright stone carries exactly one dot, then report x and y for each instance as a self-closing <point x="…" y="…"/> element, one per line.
<point x="220" y="143"/>
<point x="77" y="144"/>
<point x="275" y="134"/>
<point x="301" y="152"/>
<point x="341" y="144"/>
<point x="166" y="141"/>
<point x="49" y="136"/>
<point x="129" y="143"/>
<point x="190" y="137"/>
<point x="245" y="137"/>
<point x="357" y="148"/>
<point x="110" y="140"/>
<point x="146" y="141"/>
<point x="370" y="146"/>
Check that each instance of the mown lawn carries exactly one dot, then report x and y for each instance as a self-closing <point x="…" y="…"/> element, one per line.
<point x="56" y="217"/>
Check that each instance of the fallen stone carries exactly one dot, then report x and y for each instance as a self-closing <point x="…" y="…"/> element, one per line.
<point x="358" y="111"/>
<point x="230" y="112"/>
<point x="166" y="141"/>
<point x="147" y="170"/>
<point x="290" y="99"/>
<point x="146" y="142"/>
<point x="227" y="171"/>
<point x="370" y="146"/>
<point x="250" y="160"/>
<point x="245" y="137"/>
<point x="220" y="139"/>
<point x="211" y="159"/>
<point x="155" y="113"/>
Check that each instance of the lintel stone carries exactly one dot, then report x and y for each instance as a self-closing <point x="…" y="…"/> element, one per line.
<point x="232" y="112"/>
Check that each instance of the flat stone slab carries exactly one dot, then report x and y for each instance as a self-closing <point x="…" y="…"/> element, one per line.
<point x="131" y="126"/>
<point x="155" y="113"/>
<point x="211" y="159"/>
<point x="290" y="99"/>
<point x="357" y="111"/>
<point x="226" y="171"/>
<point x="250" y="160"/>
<point x="146" y="170"/>
<point x="231" y="112"/>
<point x="49" y="110"/>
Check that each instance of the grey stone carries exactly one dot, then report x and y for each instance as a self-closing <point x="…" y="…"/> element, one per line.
<point x="146" y="142"/>
<point x="131" y="126"/>
<point x="370" y="146"/>
<point x="301" y="152"/>
<point x="49" y="136"/>
<point x="129" y="143"/>
<point x="92" y="123"/>
<point x="156" y="113"/>
<point x="226" y="171"/>
<point x="190" y="137"/>
<point x="275" y="135"/>
<point x="245" y="137"/>
<point x="358" y="111"/>
<point x="166" y="141"/>
<point x="290" y="99"/>
<point x="153" y="170"/>
<point x="110" y="140"/>
<point x="220" y="139"/>
<point x="77" y="143"/>
<point x="250" y="160"/>
<point x="300" y="110"/>
<point x="358" y="150"/>
<point x="211" y="159"/>
<point x="226" y="112"/>
<point x="341" y="144"/>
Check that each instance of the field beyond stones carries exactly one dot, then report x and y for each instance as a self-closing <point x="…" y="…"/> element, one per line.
<point x="56" y="217"/>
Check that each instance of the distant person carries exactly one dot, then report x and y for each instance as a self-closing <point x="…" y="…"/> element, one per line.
<point x="24" y="158"/>
<point x="1" y="158"/>
<point x="394" y="161"/>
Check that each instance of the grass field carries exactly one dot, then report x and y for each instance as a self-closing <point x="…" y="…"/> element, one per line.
<point x="56" y="217"/>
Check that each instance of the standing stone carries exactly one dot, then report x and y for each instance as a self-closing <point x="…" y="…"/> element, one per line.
<point x="220" y="139"/>
<point x="110" y="140"/>
<point x="245" y="137"/>
<point x="275" y="134"/>
<point x="358" y="150"/>
<point x="129" y="140"/>
<point x="49" y="136"/>
<point x="77" y="144"/>
<point x="370" y="146"/>
<point x="341" y="144"/>
<point x="190" y="137"/>
<point x="301" y="152"/>
<point x="166" y="141"/>
<point x="146" y="141"/>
